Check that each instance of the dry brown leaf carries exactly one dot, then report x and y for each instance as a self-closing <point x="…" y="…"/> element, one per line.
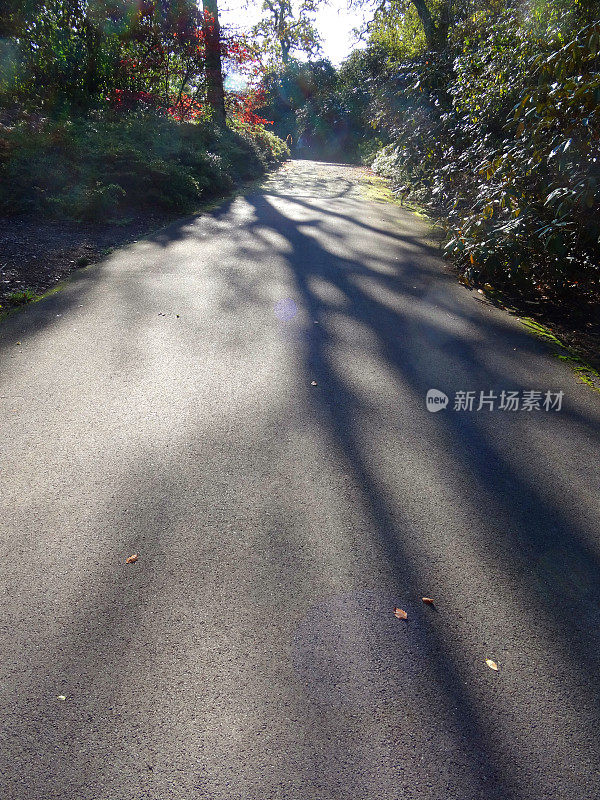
<point x="428" y="600"/>
<point x="491" y="664"/>
<point x="400" y="613"/>
<point x="132" y="559"/>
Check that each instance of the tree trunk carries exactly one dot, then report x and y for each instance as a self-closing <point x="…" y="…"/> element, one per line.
<point x="215" y="94"/>
<point x="436" y="36"/>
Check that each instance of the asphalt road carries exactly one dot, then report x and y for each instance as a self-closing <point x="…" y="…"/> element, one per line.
<point x="163" y="404"/>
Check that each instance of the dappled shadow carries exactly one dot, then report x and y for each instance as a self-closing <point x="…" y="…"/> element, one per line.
<point x="328" y="182"/>
<point x="527" y="521"/>
<point x="254" y="653"/>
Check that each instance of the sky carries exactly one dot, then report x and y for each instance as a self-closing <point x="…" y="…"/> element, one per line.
<point x="334" y="22"/>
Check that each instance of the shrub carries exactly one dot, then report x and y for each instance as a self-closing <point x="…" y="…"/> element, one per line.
<point x="91" y="168"/>
<point x="499" y="135"/>
<point x="268" y="147"/>
<point x="87" y="202"/>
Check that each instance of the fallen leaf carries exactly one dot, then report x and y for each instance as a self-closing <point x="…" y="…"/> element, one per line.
<point x="132" y="559"/>
<point x="428" y="600"/>
<point x="400" y="613"/>
<point x="491" y="664"/>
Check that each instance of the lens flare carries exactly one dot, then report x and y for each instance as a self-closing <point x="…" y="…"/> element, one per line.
<point x="286" y="309"/>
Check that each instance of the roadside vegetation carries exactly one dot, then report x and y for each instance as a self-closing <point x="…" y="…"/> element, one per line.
<point x="100" y="167"/>
<point x="114" y="118"/>
<point x="497" y="131"/>
<point x="483" y="113"/>
<point x="105" y="109"/>
<point x="486" y="114"/>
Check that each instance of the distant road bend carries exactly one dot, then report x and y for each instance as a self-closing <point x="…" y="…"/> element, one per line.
<point x="240" y="401"/>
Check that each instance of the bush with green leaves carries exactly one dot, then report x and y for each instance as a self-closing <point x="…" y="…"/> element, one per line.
<point x="499" y="135"/>
<point x="323" y="111"/>
<point x="92" y="168"/>
<point x="267" y="147"/>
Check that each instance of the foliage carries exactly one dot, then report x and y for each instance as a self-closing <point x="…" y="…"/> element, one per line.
<point x="70" y="56"/>
<point x="97" y="168"/>
<point x="286" y="28"/>
<point x="323" y="111"/>
<point x="108" y="106"/>
<point x="269" y="148"/>
<point x="396" y="33"/>
<point x="21" y="297"/>
<point x="499" y="133"/>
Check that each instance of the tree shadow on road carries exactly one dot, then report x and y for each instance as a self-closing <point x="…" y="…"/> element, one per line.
<point x="529" y="527"/>
<point x="516" y="526"/>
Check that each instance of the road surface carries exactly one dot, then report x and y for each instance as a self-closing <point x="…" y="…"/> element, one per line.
<point x="163" y="404"/>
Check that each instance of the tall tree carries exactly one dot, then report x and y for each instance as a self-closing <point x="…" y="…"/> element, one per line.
<point x="435" y="17"/>
<point x="287" y="28"/>
<point x="215" y="94"/>
<point x="436" y="34"/>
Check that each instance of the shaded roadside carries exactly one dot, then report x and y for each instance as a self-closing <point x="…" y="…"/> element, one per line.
<point x="38" y="253"/>
<point x="572" y="327"/>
